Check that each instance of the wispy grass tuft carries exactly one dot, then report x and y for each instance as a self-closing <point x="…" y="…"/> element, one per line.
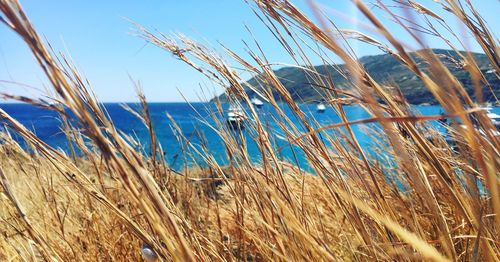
<point x="420" y="199"/>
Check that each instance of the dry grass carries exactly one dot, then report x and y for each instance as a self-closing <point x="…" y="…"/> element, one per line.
<point x="104" y="204"/>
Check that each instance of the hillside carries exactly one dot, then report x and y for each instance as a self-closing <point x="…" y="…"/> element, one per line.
<point x="386" y="70"/>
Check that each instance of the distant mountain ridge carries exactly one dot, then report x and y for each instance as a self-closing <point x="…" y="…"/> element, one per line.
<point x="385" y="70"/>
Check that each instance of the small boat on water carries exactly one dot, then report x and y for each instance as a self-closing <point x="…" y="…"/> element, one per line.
<point x="320" y="107"/>
<point x="257" y="102"/>
<point x="235" y="116"/>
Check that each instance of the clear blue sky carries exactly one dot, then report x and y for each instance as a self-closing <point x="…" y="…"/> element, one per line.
<point x="99" y="38"/>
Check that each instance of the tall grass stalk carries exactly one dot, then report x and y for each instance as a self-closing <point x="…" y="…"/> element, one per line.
<point x="108" y="201"/>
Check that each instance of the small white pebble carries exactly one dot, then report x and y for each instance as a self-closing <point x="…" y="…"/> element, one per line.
<point x="148" y="254"/>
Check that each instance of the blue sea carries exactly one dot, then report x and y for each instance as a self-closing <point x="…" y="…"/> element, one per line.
<point x="194" y="120"/>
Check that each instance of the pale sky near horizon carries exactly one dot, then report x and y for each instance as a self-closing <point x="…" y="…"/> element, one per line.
<point x="101" y="42"/>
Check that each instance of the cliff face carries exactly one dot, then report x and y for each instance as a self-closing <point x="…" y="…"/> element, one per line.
<point x="386" y="70"/>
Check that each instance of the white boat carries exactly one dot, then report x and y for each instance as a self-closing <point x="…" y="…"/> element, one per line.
<point x="257" y="102"/>
<point x="320" y="107"/>
<point x="235" y="116"/>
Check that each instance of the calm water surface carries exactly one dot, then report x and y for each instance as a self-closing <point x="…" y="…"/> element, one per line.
<point x="193" y="119"/>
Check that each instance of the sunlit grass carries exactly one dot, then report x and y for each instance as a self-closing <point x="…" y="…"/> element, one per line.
<point x="106" y="203"/>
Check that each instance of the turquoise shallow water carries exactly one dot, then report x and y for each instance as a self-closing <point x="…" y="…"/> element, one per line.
<point x="193" y="119"/>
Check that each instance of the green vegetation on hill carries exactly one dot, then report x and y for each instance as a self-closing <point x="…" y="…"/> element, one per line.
<point x="387" y="70"/>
